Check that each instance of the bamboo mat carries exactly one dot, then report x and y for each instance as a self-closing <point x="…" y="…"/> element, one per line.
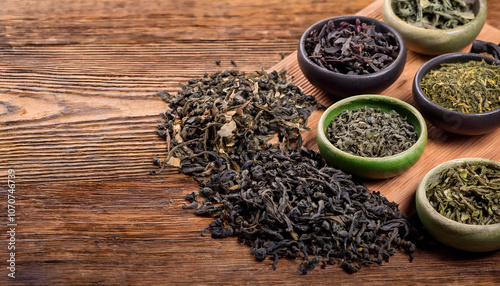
<point x="441" y="146"/>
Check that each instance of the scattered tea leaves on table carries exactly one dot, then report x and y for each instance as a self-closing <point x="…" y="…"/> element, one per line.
<point x="469" y="87"/>
<point x="351" y="48"/>
<point x="434" y="14"/>
<point x="280" y="198"/>
<point x="370" y="132"/>
<point x="467" y="194"/>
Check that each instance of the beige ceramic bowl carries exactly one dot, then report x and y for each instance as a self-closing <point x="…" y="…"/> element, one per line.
<point x="474" y="238"/>
<point x="436" y="42"/>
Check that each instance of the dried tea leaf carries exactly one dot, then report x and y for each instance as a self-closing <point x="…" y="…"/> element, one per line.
<point x="424" y="3"/>
<point x="466" y="15"/>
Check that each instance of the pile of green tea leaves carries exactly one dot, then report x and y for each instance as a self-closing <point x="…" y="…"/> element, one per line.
<point x="434" y="14"/>
<point x="240" y="136"/>
<point x="469" y="87"/>
<point x="467" y="194"/>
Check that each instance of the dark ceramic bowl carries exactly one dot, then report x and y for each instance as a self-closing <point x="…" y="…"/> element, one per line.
<point x="342" y="85"/>
<point x="372" y="167"/>
<point x="451" y="120"/>
<point x="436" y="41"/>
<point x="476" y="238"/>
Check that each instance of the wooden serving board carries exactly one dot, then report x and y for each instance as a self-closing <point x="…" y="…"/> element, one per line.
<point x="441" y="146"/>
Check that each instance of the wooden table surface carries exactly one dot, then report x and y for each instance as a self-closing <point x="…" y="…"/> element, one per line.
<point x="77" y="130"/>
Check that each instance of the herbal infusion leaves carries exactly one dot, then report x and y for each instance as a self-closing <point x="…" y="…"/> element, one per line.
<point x="434" y="14"/>
<point x="469" y="87"/>
<point x="467" y="194"/>
<point x="281" y="199"/>
<point x="353" y="49"/>
<point x="370" y="132"/>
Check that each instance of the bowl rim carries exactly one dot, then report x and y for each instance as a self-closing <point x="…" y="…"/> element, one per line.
<point x="435" y="215"/>
<point x="434" y="63"/>
<point x="434" y="32"/>
<point x="422" y="138"/>
<point x="400" y="59"/>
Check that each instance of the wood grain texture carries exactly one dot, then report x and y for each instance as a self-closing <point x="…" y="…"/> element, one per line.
<point x="77" y="123"/>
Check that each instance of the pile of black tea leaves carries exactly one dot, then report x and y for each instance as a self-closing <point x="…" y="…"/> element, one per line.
<point x="269" y="191"/>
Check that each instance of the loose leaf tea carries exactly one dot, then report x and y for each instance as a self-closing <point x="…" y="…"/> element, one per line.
<point x="351" y="48"/>
<point x="434" y="14"/>
<point x="281" y="199"/>
<point x="294" y="205"/>
<point x="468" y="194"/>
<point x="469" y="87"/>
<point x="370" y="132"/>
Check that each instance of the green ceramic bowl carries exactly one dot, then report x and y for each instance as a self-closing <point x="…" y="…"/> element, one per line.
<point x="372" y="168"/>
<point x="436" y="42"/>
<point x="474" y="238"/>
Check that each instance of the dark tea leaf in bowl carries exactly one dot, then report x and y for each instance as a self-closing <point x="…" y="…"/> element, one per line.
<point x="467" y="194"/>
<point x="370" y="132"/>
